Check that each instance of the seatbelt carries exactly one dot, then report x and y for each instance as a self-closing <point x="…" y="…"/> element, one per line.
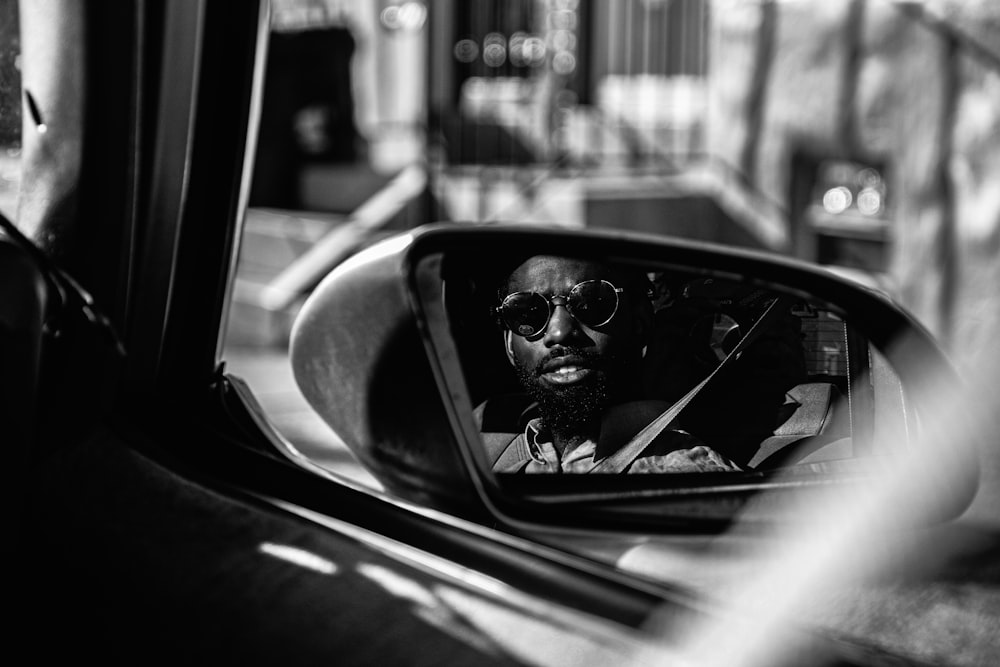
<point x="624" y="457"/>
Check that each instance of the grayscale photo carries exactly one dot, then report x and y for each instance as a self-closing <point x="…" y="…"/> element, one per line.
<point x="547" y="333"/>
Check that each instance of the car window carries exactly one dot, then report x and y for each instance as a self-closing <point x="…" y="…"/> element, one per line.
<point x="854" y="136"/>
<point x="338" y="124"/>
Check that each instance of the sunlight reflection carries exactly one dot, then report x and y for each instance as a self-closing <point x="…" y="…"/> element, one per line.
<point x="427" y="606"/>
<point x="562" y="639"/>
<point x="819" y="568"/>
<point x="299" y="557"/>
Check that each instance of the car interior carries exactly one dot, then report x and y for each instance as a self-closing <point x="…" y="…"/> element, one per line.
<point x="802" y="392"/>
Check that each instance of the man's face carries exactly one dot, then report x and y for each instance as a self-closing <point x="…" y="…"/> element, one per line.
<point x="573" y="370"/>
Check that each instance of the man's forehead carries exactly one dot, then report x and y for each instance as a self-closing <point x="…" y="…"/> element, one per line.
<point x="546" y="272"/>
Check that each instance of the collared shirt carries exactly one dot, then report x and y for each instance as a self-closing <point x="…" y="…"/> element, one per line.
<point x="673" y="450"/>
<point x="545" y="458"/>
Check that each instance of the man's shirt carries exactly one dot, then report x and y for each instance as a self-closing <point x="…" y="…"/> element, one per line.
<point x="672" y="451"/>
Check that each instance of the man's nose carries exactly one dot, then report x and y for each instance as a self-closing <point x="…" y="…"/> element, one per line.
<point x="562" y="325"/>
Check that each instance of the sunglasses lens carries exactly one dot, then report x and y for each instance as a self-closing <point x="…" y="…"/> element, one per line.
<point x="525" y="313"/>
<point x="593" y="302"/>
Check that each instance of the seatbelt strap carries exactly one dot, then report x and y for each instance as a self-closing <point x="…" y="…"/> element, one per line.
<point x="624" y="457"/>
<point x="514" y="457"/>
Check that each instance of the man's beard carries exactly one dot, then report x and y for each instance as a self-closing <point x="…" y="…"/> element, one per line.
<point x="576" y="409"/>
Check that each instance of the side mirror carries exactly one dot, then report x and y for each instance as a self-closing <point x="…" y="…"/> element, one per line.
<point x="744" y="372"/>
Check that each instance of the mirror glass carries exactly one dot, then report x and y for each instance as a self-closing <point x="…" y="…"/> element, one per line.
<point x="574" y="364"/>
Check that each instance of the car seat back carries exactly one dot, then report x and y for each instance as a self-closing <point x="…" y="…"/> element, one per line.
<point x="818" y="419"/>
<point x="501" y="419"/>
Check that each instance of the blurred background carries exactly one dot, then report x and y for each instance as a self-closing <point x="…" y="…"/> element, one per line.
<point x="862" y="135"/>
<point x="857" y="134"/>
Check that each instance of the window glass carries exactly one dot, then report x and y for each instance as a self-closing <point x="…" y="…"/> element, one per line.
<point x="341" y="127"/>
<point x="856" y="136"/>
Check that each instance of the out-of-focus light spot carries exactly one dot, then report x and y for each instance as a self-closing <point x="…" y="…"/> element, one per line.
<point x="412" y="15"/>
<point x="299" y="557"/>
<point x="494" y="50"/>
<point x="836" y="200"/>
<point x="407" y="16"/>
<point x="562" y="20"/>
<point x="870" y="201"/>
<point x="494" y="55"/>
<point x="516" y="49"/>
<point x="534" y="50"/>
<point x="869" y="178"/>
<point x="563" y="63"/>
<point x="390" y="17"/>
<point x="466" y="51"/>
<point x="563" y="40"/>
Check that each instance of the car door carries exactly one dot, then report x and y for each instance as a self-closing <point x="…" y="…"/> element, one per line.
<point x="162" y="517"/>
<point x="158" y="521"/>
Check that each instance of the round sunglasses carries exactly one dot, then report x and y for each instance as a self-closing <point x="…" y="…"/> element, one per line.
<point x="591" y="302"/>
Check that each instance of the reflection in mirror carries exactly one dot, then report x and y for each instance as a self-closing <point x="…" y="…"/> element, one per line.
<point x="586" y="366"/>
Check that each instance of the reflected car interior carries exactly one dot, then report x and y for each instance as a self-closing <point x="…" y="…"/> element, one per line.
<point x="809" y="391"/>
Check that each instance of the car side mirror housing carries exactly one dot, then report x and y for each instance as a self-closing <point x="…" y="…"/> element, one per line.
<point x="798" y="379"/>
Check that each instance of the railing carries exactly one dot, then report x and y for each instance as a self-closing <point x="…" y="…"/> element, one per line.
<point x="343" y="240"/>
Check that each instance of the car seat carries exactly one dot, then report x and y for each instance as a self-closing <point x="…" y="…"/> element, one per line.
<point x="501" y="419"/>
<point x="819" y="419"/>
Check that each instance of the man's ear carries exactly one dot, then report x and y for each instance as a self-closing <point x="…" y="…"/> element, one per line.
<point x="508" y="340"/>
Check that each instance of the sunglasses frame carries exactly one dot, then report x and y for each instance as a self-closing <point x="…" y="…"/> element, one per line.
<point x="566" y="298"/>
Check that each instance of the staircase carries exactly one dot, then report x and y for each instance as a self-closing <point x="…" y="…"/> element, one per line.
<point x="285" y="253"/>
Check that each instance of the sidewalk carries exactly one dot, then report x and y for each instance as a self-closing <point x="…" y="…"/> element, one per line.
<point x="268" y="372"/>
